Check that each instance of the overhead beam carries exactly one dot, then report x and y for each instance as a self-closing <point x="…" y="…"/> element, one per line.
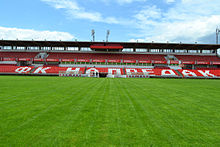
<point x="124" y="44"/>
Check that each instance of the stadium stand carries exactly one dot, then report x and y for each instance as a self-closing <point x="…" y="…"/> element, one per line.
<point x="152" y="72"/>
<point x="15" y="69"/>
<point x="18" y="54"/>
<point x="109" y="57"/>
<point x="106" y="56"/>
<point x="40" y="70"/>
<point x="56" y="70"/>
<point x="198" y="58"/>
<point x="112" y="71"/>
<point x="104" y="59"/>
<point x="200" y="73"/>
<point x="207" y="68"/>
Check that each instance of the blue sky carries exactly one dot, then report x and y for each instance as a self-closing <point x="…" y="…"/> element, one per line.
<point x="186" y="21"/>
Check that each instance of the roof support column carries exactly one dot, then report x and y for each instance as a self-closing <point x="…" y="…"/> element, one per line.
<point x="134" y="49"/>
<point x="215" y="52"/>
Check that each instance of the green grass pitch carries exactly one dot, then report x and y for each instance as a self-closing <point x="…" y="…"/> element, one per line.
<point x="61" y="111"/>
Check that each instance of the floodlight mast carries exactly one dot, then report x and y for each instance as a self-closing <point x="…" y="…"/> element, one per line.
<point x="217" y="34"/>
<point x="93" y="35"/>
<point x="107" y="35"/>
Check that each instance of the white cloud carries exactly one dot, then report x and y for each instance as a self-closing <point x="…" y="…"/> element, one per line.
<point x="129" y="1"/>
<point x="170" y="1"/>
<point x="121" y="2"/>
<point x="73" y="10"/>
<point x="148" y="13"/>
<point x="27" y="34"/>
<point x="186" y="21"/>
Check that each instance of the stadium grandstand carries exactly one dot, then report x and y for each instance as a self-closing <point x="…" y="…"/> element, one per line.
<point x="113" y="59"/>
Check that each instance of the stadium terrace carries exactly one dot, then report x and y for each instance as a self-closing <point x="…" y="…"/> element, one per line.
<point x="109" y="59"/>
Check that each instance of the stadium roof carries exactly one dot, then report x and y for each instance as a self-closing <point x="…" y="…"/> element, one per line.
<point x="137" y="45"/>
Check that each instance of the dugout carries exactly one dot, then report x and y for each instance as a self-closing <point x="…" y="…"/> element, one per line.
<point x="103" y="75"/>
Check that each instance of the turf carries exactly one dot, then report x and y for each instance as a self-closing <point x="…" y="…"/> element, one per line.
<point x="58" y="111"/>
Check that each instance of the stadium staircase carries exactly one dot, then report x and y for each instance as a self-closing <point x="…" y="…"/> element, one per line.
<point x="85" y="70"/>
<point x="123" y="70"/>
<point x="41" y="56"/>
<point x="179" y="73"/>
<point x="32" y="70"/>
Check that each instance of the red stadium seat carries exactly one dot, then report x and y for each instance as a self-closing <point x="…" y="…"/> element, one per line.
<point x="18" y="54"/>
<point x="150" y="71"/>
<point x="56" y="70"/>
<point x="193" y="59"/>
<point x="107" y="56"/>
<point x="16" y="69"/>
<point x="40" y="70"/>
<point x="113" y="71"/>
<point x="200" y="73"/>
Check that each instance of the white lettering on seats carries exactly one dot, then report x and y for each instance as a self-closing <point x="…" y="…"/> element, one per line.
<point x="23" y="69"/>
<point x="114" y="71"/>
<point x="42" y="70"/>
<point x="188" y="73"/>
<point x="206" y="73"/>
<point x="71" y="70"/>
<point x="168" y="72"/>
<point x="148" y="71"/>
<point x="129" y="71"/>
<point x="92" y="69"/>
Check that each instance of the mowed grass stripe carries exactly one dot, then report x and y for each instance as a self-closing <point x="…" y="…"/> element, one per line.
<point x="157" y="114"/>
<point x="187" y="120"/>
<point x="68" y="130"/>
<point x="149" y="116"/>
<point x="132" y="118"/>
<point x="34" y="100"/>
<point x="90" y="118"/>
<point x="63" y="116"/>
<point x="55" y="111"/>
<point x="55" y="104"/>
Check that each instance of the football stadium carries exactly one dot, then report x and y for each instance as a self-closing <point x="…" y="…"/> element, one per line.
<point x="96" y="94"/>
<point x="71" y="92"/>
